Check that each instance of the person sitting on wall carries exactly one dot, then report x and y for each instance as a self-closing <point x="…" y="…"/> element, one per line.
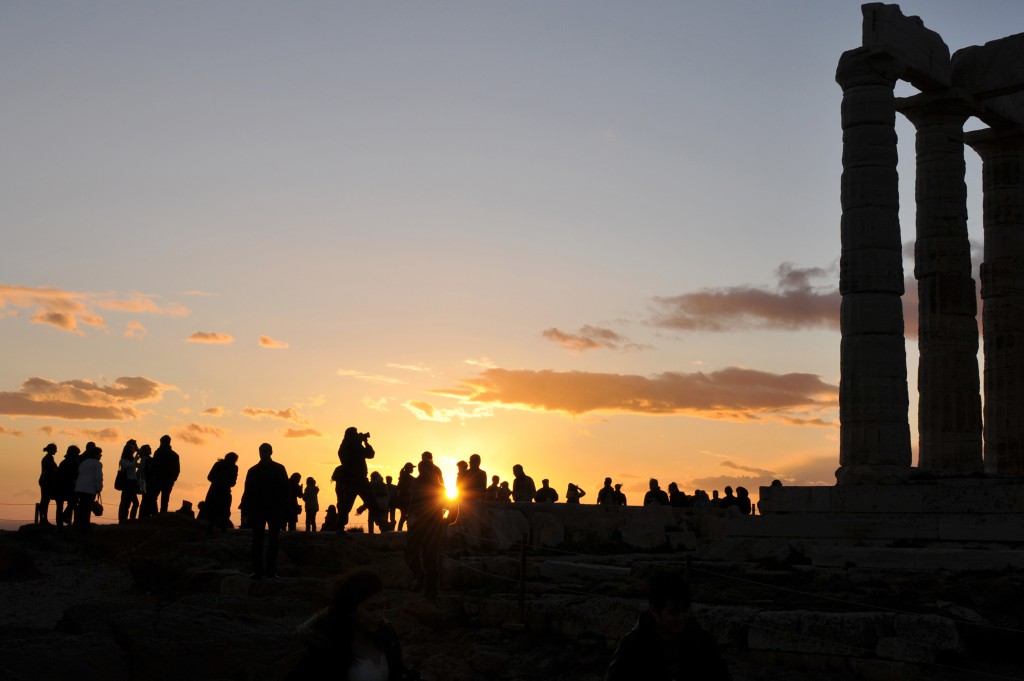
<point x="546" y="494"/>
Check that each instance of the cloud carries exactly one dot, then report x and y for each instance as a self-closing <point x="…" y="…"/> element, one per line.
<point x="590" y="338"/>
<point x="409" y="367"/>
<point x="424" y="411"/>
<point x="95" y="434"/>
<point x="380" y="405"/>
<point x="134" y="330"/>
<point x="747" y="469"/>
<point x="46" y="430"/>
<point x="197" y="433"/>
<point x="795" y="303"/>
<point x="210" y="337"/>
<point x="67" y="310"/>
<point x="289" y="414"/>
<point x="268" y="342"/>
<point x="199" y="294"/>
<point x="733" y="393"/>
<point x="304" y="432"/>
<point x="483" y="362"/>
<point x="212" y="411"/>
<point x="11" y="431"/>
<point x="81" y="399"/>
<point x="350" y="373"/>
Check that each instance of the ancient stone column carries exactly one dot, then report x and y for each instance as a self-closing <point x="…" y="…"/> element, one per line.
<point x="874" y="427"/>
<point x="948" y="382"/>
<point x="1002" y="293"/>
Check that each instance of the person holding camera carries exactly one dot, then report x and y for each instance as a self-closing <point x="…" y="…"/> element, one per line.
<point x="351" y="480"/>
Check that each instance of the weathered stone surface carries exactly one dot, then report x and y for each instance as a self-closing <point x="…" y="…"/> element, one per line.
<point x="507" y="528"/>
<point x="921" y="52"/>
<point x="852" y="634"/>
<point x="546" y="529"/>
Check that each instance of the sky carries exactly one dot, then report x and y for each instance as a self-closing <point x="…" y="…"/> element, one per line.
<point x="593" y="238"/>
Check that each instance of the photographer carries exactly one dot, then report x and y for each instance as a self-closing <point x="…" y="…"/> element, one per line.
<point x="351" y="479"/>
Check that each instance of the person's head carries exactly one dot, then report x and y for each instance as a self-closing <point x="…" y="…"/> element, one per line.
<point x="231" y="457"/>
<point x="426" y="468"/>
<point x="668" y="601"/>
<point x="544" y="482"/>
<point x="474" y="461"/>
<point x="517" y="470"/>
<point x="728" y="491"/>
<point x="618" y="486"/>
<point x="351" y="432"/>
<point x="408" y="468"/>
<point x="146" y="451"/>
<point x="504" y="485"/>
<point x="673" y="487"/>
<point x="73" y="451"/>
<point x="89" y="446"/>
<point x="742" y="492"/>
<point x="495" y="479"/>
<point x="388" y="479"/>
<point x="427" y="456"/>
<point x="357" y="599"/>
<point x="714" y="494"/>
<point x="96" y="453"/>
<point x="570" y="488"/>
<point x="332" y="510"/>
<point x="376" y="477"/>
<point x="266" y="451"/>
<point x="653" y="484"/>
<point x="130" y="447"/>
<point x="607" y="482"/>
<point x="295" y="477"/>
<point x="165" y="440"/>
<point x="310" y="482"/>
<point x="462" y="466"/>
<point x="51" y="448"/>
<point x="776" y="483"/>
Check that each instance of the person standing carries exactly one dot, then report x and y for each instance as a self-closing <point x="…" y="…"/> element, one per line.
<point x="311" y="500"/>
<point x="67" y="474"/>
<point x="48" y="483"/>
<point x="294" y="509"/>
<point x="88" y="484"/>
<point x="147" y="482"/>
<point x="128" y="475"/>
<point x="523" y="486"/>
<point x="166" y="468"/>
<point x="426" y="529"/>
<point x="655" y="495"/>
<point x="606" y="497"/>
<point x="352" y="479"/>
<point x="223" y="476"/>
<point x="573" y="493"/>
<point x="406" y="482"/>
<point x="265" y="502"/>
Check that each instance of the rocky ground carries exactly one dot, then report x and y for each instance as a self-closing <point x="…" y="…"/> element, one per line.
<point x="162" y="599"/>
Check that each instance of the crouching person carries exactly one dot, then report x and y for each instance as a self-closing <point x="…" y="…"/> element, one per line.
<point x="667" y="644"/>
<point x="351" y="639"/>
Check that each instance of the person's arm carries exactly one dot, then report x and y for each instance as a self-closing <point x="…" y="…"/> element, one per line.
<point x="368" y="450"/>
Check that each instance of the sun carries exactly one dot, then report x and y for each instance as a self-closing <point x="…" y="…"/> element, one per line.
<point x="451" y="490"/>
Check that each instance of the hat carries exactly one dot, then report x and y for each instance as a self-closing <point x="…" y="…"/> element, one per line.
<point x="52" y="448"/>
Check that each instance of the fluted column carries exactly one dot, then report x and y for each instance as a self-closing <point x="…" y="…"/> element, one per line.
<point x="1002" y="292"/>
<point x="874" y="427"/>
<point x="948" y="383"/>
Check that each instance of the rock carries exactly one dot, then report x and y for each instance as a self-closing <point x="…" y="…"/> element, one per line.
<point x="546" y="529"/>
<point x="507" y="528"/>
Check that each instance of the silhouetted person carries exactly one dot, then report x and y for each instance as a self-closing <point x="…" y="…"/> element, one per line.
<point x="266" y="502"/>
<point x="607" y="497"/>
<point x="311" y="500"/>
<point x="392" y="499"/>
<point x="67" y="474"/>
<point x="128" y="473"/>
<point x="222" y="476"/>
<point x="48" y="482"/>
<point x="295" y="488"/>
<point x="353" y="452"/>
<point x="405" y="485"/>
<point x="573" y="493"/>
<point x="701" y="501"/>
<point x="730" y="499"/>
<point x="166" y="468"/>
<point x="426" y="529"/>
<point x="330" y="520"/>
<point x="504" y="494"/>
<point x="491" y="493"/>
<point x="546" y="494"/>
<point x="147" y="483"/>
<point x="666" y="642"/>
<point x="378" y="506"/>
<point x="655" y="495"/>
<point x="88" y="484"/>
<point x="776" y="483"/>
<point x="676" y="497"/>
<point x="743" y="500"/>
<point x="523" y="486"/>
<point x="350" y="639"/>
<point x="429" y="458"/>
<point x="186" y="510"/>
<point x="620" y="497"/>
<point x="715" y="501"/>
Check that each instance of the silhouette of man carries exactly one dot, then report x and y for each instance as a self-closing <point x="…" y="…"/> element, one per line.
<point x="166" y="467"/>
<point x="426" y="529"/>
<point x="656" y="495"/>
<point x="666" y="642"/>
<point x="606" y="497"/>
<point x="546" y="494"/>
<point x="620" y="497"/>
<point x="265" y="501"/>
<point x="67" y="474"/>
<point x="523" y="486"/>
<point x="47" y="482"/>
<point x="729" y="500"/>
<point x="429" y="457"/>
<point x="351" y="480"/>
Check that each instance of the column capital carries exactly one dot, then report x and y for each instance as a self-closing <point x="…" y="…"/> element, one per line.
<point x="1008" y="138"/>
<point x="861" y="66"/>
<point x="937" y="107"/>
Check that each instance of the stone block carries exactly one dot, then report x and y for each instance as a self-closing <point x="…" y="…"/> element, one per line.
<point x="921" y="52"/>
<point x="682" y="540"/>
<point x="994" y="72"/>
<point x="876" y="499"/>
<point x="644" y="537"/>
<point x="795" y="500"/>
<point x="546" y="529"/>
<point x="902" y="650"/>
<point x="929" y="631"/>
<point x="801" y="631"/>
<point x="559" y="569"/>
<point x="507" y="528"/>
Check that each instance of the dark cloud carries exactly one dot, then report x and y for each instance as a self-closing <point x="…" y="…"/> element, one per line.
<point x="590" y="338"/>
<point x="213" y="411"/>
<point x="734" y="393"/>
<point x="210" y="337"/>
<point x="197" y="433"/>
<point x="80" y="399"/>
<point x="65" y="310"/>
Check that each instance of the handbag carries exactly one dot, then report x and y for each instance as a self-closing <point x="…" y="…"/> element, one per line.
<point x="97" y="505"/>
<point x="119" y="480"/>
